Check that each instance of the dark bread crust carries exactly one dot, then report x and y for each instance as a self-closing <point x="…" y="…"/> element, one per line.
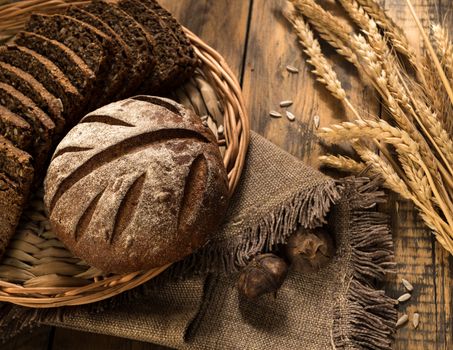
<point x="139" y="40"/>
<point x="16" y="176"/>
<point x="46" y="72"/>
<point x="15" y="129"/>
<point x="94" y="47"/>
<point x="75" y="69"/>
<point x="30" y="87"/>
<point x="146" y="191"/>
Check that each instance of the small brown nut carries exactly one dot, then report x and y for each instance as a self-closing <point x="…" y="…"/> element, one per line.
<point x="264" y="274"/>
<point x="310" y="250"/>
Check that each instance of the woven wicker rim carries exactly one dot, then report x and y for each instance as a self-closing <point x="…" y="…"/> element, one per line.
<point x="236" y="132"/>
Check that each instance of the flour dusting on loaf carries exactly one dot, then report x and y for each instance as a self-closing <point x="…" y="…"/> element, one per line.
<point x="136" y="184"/>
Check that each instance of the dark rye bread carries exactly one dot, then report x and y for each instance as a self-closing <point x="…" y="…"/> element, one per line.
<point x="139" y="40"/>
<point x="75" y="69"/>
<point x="97" y="50"/>
<point x="16" y="176"/>
<point x="140" y="180"/>
<point x="170" y="59"/>
<point x="121" y="63"/>
<point x="42" y="126"/>
<point x="46" y="72"/>
<point x="30" y="87"/>
<point x="190" y="61"/>
<point x="15" y="128"/>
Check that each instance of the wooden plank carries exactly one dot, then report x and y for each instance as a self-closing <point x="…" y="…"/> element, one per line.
<point x="38" y="339"/>
<point x="222" y="24"/>
<point x="272" y="46"/>
<point x="65" y="339"/>
<point x="420" y="259"/>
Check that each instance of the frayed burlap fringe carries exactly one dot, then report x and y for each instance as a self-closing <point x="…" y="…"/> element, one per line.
<point x="307" y="208"/>
<point x="366" y="317"/>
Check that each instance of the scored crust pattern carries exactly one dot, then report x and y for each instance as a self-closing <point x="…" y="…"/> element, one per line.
<point x="137" y="184"/>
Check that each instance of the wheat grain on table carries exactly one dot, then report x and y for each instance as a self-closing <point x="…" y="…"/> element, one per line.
<point x="257" y="43"/>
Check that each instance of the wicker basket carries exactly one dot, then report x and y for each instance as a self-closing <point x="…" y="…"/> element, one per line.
<point x="38" y="271"/>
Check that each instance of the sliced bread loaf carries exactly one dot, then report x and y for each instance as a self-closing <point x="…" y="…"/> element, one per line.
<point x="42" y="126"/>
<point x="77" y="71"/>
<point x="15" y="128"/>
<point x="189" y="61"/>
<point x="16" y="176"/>
<point x="170" y="60"/>
<point x="46" y="72"/>
<point x="122" y="60"/>
<point x="139" y="40"/>
<point x="30" y="87"/>
<point x="97" y="50"/>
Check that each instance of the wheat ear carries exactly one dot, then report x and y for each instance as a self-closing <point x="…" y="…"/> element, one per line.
<point x="432" y="53"/>
<point x="399" y="139"/>
<point x="342" y="163"/>
<point x="443" y="47"/>
<point x="379" y="166"/>
<point x="323" y="70"/>
<point x="392" y="30"/>
<point x="328" y="26"/>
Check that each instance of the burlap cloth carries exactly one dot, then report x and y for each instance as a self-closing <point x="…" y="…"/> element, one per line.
<point x="196" y="304"/>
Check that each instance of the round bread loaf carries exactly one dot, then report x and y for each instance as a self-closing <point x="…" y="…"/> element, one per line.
<point x="136" y="184"/>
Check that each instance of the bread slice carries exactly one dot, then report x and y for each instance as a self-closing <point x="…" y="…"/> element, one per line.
<point x="190" y="60"/>
<point x="170" y="60"/>
<point x="75" y="69"/>
<point x="15" y="128"/>
<point x="140" y="42"/>
<point x="16" y="176"/>
<point x="30" y="87"/>
<point x="122" y="61"/>
<point x="46" y="72"/>
<point x="99" y="52"/>
<point x="42" y="126"/>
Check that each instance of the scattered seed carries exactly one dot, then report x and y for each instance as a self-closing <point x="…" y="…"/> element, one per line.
<point x="402" y="320"/>
<point x="292" y="69"/>
<point x="290" y="116"/>
<point x="416" y="319"/>
<point x="220" y="130"/>
<point x="275" y="114"/>
<point x="407" y="285"/>
<point x="286" y="103"/>
<point x="404" y="297"/>
<point x="316" y="121"/>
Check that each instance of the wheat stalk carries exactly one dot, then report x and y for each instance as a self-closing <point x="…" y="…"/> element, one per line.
<point x="420" y="168"/>
<point x="344" y="163"/>
<point x="379" y="166"/>
<point x="392" y="31"/>
<point x="328" y="26"/>
<point x="405" y="146"/>
<point x="322" y="68"/>
<point x="444" y="48"/>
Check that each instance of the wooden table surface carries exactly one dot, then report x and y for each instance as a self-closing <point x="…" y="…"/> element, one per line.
<point x="254" y="38"/>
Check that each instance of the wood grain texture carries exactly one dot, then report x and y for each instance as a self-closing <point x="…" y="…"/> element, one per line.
<point x="222" y="24"/>
<point x="421" y="260"/>
<point x="272" y="46"/>
<point x="264" y="54"/>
